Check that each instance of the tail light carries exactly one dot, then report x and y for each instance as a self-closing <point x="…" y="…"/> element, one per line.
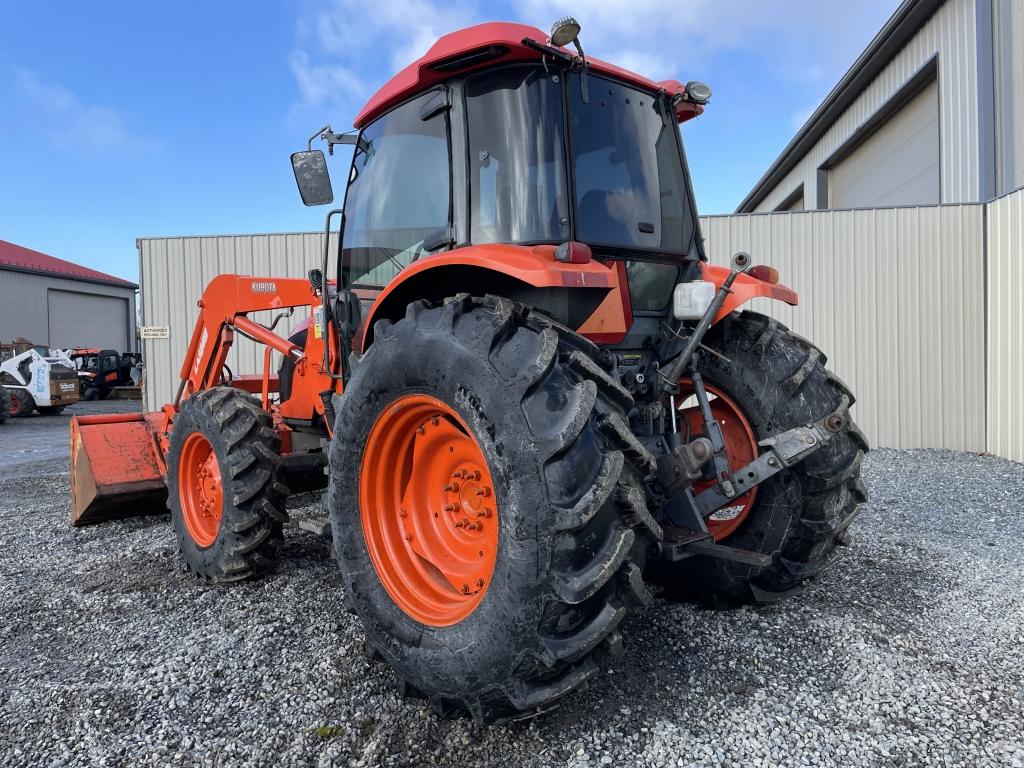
<point x="764" y="273"/>
<point x="572" y="252"/>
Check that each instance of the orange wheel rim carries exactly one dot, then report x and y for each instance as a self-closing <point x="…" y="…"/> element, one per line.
<point x="200" y="490"/>
<point x="740" y="445"/>
<point x="428" y="509"/>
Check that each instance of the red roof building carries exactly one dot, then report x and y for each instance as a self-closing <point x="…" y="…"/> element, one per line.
<point x="23" y="259"/>
<point x="59" y="304"/>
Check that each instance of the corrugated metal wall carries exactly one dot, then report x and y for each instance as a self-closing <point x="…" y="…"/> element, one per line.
<point x="175" y="270"/>
<point x="1005" y="317"/>
<point x="24" y="304"/>
<point x="951" y="33"/>
<point x="1008" y="28"/>
<point x="894" y="297"/>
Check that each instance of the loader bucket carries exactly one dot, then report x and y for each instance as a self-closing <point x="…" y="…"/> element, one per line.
<point x="116" y="467"/>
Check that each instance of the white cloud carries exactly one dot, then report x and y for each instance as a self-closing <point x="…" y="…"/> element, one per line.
<point x="805" y="39"/>
<point x="71" y="122"/>
<point x="323" y="84"/>
<point x="344" y="49"/>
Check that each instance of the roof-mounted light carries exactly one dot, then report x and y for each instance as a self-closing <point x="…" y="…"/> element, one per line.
<point x="698" y="92"/>
<point x="564" y="31"/>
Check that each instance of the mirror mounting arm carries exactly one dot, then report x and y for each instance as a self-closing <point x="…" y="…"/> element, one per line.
<point x="332" y="138"/>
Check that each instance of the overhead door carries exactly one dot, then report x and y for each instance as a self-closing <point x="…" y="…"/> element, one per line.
<point x="87" y="320"/>
<point x="896" y="165"/>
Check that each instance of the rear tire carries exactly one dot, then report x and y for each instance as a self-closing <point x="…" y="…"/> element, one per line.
<point x="20" y="403"/>
<point x="800" y="515"/>
<point x="248" y="470"/>
<point x="5" y="404"/>
<point x="573" y="524"/>
<point x="91" y="394"/>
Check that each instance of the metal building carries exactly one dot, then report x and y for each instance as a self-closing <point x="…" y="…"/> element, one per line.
<point x="57" y="304"/>
<point x="909" y="275"/>
<point x="931" y="112"/>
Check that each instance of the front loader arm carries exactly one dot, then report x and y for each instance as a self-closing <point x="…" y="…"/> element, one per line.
<point x="223" y="310"/>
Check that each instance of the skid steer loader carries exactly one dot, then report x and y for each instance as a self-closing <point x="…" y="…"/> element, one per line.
<point x="529" y="389"/>
<point x="38" y="380"/>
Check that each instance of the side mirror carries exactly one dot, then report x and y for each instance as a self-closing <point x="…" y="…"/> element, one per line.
<point x="312" y="177"/>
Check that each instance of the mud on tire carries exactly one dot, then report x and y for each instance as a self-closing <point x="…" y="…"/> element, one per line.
<point x="5" y="404"/>
<point x="779" y="380"/>
<point x="573" y="520"/>
<point x="246" y="447"/>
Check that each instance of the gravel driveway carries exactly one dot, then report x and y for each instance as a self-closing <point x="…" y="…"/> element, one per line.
<point x="909" y="651"/>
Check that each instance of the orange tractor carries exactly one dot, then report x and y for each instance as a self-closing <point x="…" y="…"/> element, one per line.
<point x="529" y="392"/>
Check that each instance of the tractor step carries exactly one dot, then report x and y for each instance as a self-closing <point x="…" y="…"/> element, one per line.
<point x="681" y="543"/>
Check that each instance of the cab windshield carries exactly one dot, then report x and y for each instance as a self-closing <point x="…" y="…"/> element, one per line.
<point x="398" y="193"/>
<point x="625" y="188"/>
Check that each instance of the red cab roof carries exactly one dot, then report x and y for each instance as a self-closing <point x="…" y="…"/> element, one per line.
<point x="26" y="260"/>
<point x="442" y="62"/>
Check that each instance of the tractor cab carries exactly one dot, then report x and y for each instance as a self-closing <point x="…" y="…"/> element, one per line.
<point x="500" y="134"/>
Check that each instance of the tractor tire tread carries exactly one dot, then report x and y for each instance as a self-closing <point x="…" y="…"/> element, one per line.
<point x="254" y="507"/>
<point x="784" y="383"/>
<point x="598" y="531"/>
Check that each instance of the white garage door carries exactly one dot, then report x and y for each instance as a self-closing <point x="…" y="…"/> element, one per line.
<point x="87" y="320"/>
<point x="896" y="165"/>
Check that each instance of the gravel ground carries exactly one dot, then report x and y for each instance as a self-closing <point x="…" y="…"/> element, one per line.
<point x="908" y="652"/>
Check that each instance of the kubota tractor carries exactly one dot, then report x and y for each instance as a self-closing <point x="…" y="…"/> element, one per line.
<point x="527" y="386"/>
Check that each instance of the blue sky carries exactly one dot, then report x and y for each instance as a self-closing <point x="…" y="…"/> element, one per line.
<point x="120" y="120"/>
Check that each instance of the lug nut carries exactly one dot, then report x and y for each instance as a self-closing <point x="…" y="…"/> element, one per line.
<point x="484" y="491"/>
<point x="449" y="507"/>
<point x="435" y="421"/>
<point x="460" y="523"/>
<point x="451" y="487"/>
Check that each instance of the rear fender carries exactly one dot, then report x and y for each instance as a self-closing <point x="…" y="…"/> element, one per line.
<point x="568" y="292"/>
<point x="744" y="289"/>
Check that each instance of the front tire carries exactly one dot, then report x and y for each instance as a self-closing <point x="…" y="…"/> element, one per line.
<point x="775" y="380"/>
<point x="569" y="526"/>
<point x="223" y="485"/>
<point x="5" y="404"/>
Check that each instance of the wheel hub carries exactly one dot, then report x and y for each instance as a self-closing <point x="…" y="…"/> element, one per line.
<point x="740" y="445"/>
<point x="428" y="510"/>
<point x="200" y="490"/>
